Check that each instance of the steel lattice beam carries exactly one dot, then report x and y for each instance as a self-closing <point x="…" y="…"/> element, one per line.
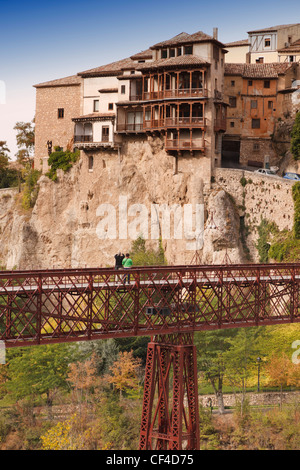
<point x="40" y="307"/>
<point x="170" y="380"/>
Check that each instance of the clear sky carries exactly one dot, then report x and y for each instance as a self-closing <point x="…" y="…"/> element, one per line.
<point x="41" y="41"/>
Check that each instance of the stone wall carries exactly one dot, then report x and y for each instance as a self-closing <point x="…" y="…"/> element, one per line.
<point x="263" y="398"/>
<point x="50" y="127"/>
<point x="258" y="197"/>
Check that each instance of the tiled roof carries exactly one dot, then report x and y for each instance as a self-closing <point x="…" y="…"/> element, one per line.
<point x="115" y="68"/>
<point x="273" y="28"/>
<point x="183" y="60"/>
<point x="271" y="70"/>
<point x="184" y="38"/>
<point x="242" y="42"/>
<point x="73" y="80"/>
<point x="142" y="55"/>
<point x="94" y="116"/>
<point x="293" y="47"/>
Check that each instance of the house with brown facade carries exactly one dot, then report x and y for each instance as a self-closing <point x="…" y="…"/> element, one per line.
<point x="257" y="101"/>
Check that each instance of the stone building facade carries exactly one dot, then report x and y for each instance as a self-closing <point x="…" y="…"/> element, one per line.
<point x="172" y="92"/>
<point x="57" y="102"/>
<point x="258" y="99"/>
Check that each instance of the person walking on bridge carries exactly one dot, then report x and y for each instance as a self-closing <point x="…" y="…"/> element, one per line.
<point x="127" y="263"/>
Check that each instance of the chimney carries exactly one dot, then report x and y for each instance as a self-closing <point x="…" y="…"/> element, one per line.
<point x="215" y="33"/>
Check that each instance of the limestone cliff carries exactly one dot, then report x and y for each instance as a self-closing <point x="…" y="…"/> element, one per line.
<point x="63" y="228"/>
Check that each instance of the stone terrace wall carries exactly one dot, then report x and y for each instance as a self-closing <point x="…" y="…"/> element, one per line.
<point x="264" y="398"/>
<point x="261" y="197"/>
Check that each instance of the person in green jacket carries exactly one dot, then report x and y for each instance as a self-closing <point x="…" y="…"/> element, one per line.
<point x="127" y="263"/>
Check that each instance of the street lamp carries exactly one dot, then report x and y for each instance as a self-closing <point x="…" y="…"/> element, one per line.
<point x="258" y="372"/>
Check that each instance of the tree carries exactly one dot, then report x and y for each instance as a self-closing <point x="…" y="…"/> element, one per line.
<point x="295" y="138"/>
<point x="125" y="372"/>
<point x="4" y="155"/>
<point x="241" y="359"/>
<point x="25" y="141"/>
<point x="141" y="256"/>
<point x="8" y="176"/>
<point x="211" y="346"/>
<point x="39" y="370"/>
<point x="83" y="377"/>
<point x="282" y="373"/>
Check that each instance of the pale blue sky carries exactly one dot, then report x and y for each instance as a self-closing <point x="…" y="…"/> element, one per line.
<point x="41" y="41"/>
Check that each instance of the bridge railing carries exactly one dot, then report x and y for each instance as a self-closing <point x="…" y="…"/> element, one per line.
<point x="44" y="306"/>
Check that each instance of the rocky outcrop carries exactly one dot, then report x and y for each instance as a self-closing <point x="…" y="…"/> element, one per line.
<point x="85" y="217"/>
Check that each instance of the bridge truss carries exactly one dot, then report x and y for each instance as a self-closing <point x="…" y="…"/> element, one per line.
<point x="167" y="303"/>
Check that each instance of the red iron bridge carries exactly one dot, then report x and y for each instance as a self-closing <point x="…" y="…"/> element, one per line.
<point x="168" y="304"/>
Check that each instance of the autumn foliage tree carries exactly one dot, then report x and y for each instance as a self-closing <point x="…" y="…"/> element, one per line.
<point x="125" y="372"/>
<point x="283" y="373"/>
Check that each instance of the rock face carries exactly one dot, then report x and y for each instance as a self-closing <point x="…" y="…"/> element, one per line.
<point x="85" y="217"/>
<point x="222" y="233"/>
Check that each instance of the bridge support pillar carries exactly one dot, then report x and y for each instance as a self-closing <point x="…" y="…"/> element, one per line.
<point x="170" y="415"/>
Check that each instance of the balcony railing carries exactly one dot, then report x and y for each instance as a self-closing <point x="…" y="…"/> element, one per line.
<point x="138" y="97"/>
<point x="83" y="138"/>
<point x="130" y="127"/>
<point x="175" y="93"/>
<point x="185" y="144"/>
<point x="185" y="122"/>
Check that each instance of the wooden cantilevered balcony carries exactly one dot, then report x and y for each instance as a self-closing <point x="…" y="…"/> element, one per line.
<point x="181" y="122"/>
<point x="83" y="138"/>
<point x="175" y="93"/>
<point x="128" y="127"/>
<point x="220" y="125"/>
<point x="185" y="144"/>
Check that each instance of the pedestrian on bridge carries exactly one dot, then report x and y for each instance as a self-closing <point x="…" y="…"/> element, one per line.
<point x="118" y="260"/>
<point x="127" y="263"/>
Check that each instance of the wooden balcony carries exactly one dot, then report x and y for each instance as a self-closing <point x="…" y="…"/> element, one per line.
<point x="220" y="125"/>
<point x="185" y="144"/>
<point x="175" y="93"/>
<point x="182" y="122"/>
<point x="128" y="128"/>
<point x="83" y="138"/>
<point x="85" y="142"/>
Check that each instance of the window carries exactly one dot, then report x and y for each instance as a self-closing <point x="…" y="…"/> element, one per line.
<point x="270" y="104"/>
<point x="250" y="83"/>
<point x="253" y="104"/>
<point x="179" y="51"/>
<point x="60" y="113"/>
<point x="232" y="124"/>
<point x="188" y="50"/>
<point x="91" y="163"/>
<point x="266" y="83"/>
<point x="255" y="147"/>
<point x="255" y="123"/>
<point x="96" y="106"/>
<point x="260" y="60"/>
<point x="123" y="89"/>
<point x="110" y="106"/>
<point x="232" y="82"/>
<point x="267" y="42"/>
<point x="105" y="134"/>
<point x="164" y="53"/>
<point x="172" y="53"/>
<point x="232" y="101"/>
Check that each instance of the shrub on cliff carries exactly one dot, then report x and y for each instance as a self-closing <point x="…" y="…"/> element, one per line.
<point x="60" y="159"/>
<point x="295" y="138"/>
